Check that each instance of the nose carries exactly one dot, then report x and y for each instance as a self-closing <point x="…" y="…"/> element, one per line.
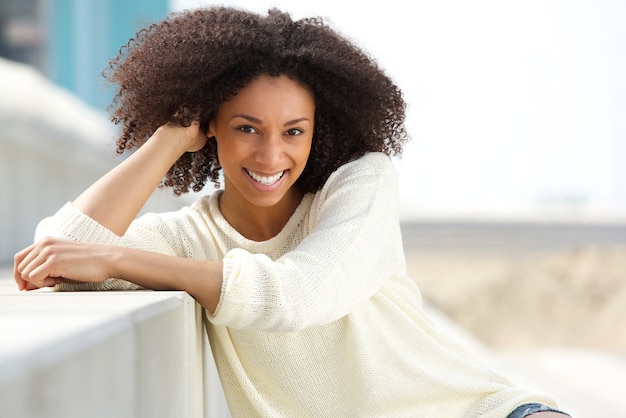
<point x="270" y="150"/>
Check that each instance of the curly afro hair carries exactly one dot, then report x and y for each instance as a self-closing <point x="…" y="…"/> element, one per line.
<point x="183" y="68"/>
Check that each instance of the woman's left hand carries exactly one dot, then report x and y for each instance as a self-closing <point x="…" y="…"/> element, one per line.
<point x="51" y="261"/>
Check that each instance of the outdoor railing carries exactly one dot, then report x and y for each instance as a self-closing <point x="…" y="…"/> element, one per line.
<point x="104" y="354"/>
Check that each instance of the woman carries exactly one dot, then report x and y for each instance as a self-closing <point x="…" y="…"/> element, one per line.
<point x="298" y="260"/>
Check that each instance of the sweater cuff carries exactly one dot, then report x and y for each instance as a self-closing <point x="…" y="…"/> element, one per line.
<point x="230" y="267"/>
<point x="108" y="284"/>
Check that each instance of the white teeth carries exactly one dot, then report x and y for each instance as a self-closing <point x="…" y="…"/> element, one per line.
<point x="266" y="180"/>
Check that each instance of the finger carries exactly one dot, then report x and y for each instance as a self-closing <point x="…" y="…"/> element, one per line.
<point x="42" y="269"/>
<point x="47" y="282"/>
<point x="18" y="266"/>
<point x="30" y="286"/>
<point x="21" y="283"/>
<point x="25" y="258"/>
<point x="37" y="265"/>
<point x="51" y="281"/>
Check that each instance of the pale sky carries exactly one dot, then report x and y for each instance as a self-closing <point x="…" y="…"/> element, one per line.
<point x="516" y="108"/>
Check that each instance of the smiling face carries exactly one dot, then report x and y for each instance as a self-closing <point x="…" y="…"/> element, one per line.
<point x="264" y="136"/>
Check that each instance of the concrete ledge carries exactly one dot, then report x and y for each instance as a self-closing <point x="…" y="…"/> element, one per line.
<point x="102" y="354"/>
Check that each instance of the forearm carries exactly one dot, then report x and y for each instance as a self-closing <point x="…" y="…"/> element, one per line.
<point x="116" y="198"/>
<point x="202" y="279"/>
<point x="51" y="261"/>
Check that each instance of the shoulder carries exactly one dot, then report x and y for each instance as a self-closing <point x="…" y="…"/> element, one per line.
<point x="207" y="204"/>
<point x="357" y="186"/>
<point x="371" y="168"/>
<point x="194" y="214"/>
<point x="371" y="162"/>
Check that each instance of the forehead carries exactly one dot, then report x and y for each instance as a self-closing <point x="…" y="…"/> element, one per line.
<point x="270" y="93"/>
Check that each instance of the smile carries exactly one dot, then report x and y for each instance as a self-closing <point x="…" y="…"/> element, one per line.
<point x="265" y="180"/>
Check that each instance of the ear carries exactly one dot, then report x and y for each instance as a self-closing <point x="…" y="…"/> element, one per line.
<point x="210" y="132"/>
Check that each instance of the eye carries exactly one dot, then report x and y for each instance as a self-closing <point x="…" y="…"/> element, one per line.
<point x="294" y="132"/>
<point x="247" y="129"/>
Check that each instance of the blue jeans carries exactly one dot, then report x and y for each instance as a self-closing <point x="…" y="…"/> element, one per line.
<point x="532" y="408"/>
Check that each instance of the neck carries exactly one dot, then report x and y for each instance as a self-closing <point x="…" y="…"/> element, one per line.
<point x="259" y="223"/>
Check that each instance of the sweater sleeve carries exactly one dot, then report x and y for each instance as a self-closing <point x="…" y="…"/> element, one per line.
<point x="354" y="245"/>
<point x="151" y="232"/>
<point x="182" y="233"/>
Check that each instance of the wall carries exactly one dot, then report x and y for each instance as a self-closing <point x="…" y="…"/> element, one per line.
<point x="105" y="354"/>
<point x="52" y="147"/>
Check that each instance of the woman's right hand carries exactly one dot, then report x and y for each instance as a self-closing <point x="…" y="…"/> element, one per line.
<point x="51" y="261"/>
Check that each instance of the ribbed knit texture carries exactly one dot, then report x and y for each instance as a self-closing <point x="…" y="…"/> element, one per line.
<point x="320" y="320"/>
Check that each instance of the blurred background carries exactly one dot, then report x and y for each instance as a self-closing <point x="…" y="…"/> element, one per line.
<point x="513" y="189"/>
<point x="516" y="108"/>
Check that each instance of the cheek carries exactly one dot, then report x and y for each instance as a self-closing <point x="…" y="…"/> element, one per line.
<point x="230" y="154"/>
<point x="223" y="146"/>
<point x="222" y="153"/>
<point x="306" y="151"/>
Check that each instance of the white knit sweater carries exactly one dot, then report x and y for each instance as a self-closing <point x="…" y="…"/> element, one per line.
<point x="320" y="320"/>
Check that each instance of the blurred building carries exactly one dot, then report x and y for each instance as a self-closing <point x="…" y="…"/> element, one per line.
<point x="21" y="31"/>
<point x="51" y="149"/>
<point x="71" y="41"/>
<point x="55" y="138"/>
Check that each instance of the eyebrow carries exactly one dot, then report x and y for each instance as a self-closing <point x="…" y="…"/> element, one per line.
<point x="259" y="121"/>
